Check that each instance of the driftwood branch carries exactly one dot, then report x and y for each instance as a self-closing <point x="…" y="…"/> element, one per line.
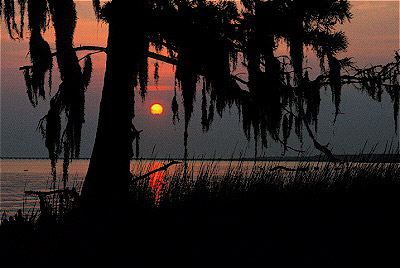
<point x="156" y="170"/>
<point x="45" y="209"/>
<point x="289" y="169"/>
<point x="45" y="193"/>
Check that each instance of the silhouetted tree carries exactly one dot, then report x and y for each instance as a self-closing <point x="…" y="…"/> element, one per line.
<point x="205" y="40"/>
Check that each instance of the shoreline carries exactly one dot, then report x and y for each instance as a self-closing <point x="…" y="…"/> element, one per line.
<point x="363" y="158"/>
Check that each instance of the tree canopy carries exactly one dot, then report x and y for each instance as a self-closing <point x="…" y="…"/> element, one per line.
<point x="207" y="41"/>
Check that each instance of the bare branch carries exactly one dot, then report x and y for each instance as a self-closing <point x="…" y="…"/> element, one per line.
<point x="165" y="59"/>
<point x="317" y="145"/>
<point x="145" y="176"/>
<point x="289" y="147"/>
<point x="234" y="77"/>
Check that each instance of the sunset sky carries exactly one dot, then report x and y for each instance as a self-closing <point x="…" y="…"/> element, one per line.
<point x="373" y="35"/>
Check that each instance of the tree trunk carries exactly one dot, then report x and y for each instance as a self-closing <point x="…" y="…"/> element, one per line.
<point x="106" y="184"/>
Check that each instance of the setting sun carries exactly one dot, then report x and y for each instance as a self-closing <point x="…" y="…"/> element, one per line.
<point x="156" y="109"/>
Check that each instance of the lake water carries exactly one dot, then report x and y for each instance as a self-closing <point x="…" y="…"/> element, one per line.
<point x="19" y="175"/>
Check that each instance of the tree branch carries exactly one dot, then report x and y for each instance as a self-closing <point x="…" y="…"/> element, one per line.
<point x="317" y="145"/>
<point x="165" y="59"/>
<point x="234" y="77"/>
<point x="289" y="147"/>
<point x="156" y="170"/>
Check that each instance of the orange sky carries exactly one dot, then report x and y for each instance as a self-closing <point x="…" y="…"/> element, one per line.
<point x="373" y="35"/>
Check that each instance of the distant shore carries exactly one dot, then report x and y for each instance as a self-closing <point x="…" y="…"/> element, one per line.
<point x="371" y="158"/>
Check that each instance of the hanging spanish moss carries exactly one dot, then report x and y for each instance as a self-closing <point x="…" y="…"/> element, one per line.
<point x="66" y="162"/>
<point x="22" y="8"/>
<point x="335" y="81"/>
<point x="187" y="78"/>
<point x="42" y="62"/>
<point x="74" y="79"/>
<point x="87" y="71"/>
<point x="97" y="8"/>
<point x="298" y="128"/>
<point x="311" y="99"/>
<point x="9" y="17"/>
<point x="38" y="12"/>
<point x="68" y="101"/>
<point x="286" y="128"/>
<point x="394" y="93"/>
<point x="156" y="75"/>
<point x="144" y="69"/>
<point x="205" y="40"/>
<point x="175" y="108"/>
<point x="50" y="127"/>
<point x="28" y="82"/>
<point x="204" y="115"/>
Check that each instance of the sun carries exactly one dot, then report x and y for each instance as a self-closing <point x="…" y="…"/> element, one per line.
<point x="156" y="109"/>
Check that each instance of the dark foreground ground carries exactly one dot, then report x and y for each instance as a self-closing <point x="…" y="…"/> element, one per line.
<point x="353" y="221"/>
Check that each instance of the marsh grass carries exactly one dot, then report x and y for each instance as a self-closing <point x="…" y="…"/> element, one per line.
<point x="245" y="215"/>
<point x="240" y="180"/>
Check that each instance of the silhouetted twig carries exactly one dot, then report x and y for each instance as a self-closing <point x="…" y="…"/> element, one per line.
<point x="289" y="169"/>
<point x="156" y="170"/>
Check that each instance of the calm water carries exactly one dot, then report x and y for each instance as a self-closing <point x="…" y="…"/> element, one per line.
<point x="18" y="176"/>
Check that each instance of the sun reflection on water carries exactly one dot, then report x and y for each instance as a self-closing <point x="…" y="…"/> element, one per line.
<point x="157" y="182"/>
